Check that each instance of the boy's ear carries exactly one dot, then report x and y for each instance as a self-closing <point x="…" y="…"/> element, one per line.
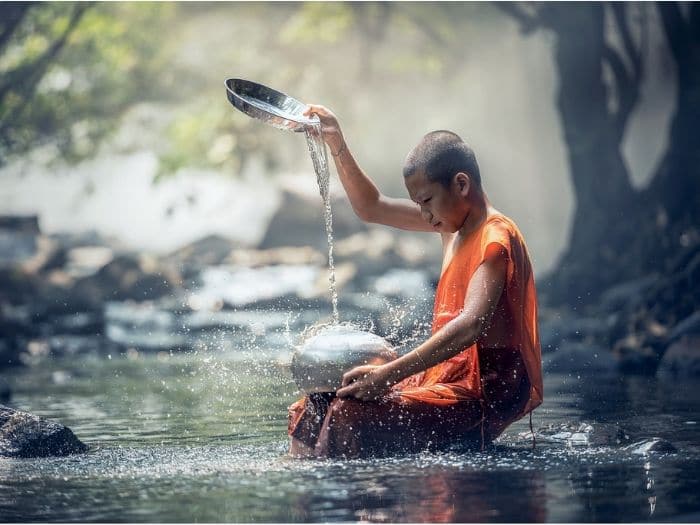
<point x="463" y="183"/>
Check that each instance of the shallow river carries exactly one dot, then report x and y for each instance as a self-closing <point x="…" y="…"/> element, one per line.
<point x="200" y="439"/>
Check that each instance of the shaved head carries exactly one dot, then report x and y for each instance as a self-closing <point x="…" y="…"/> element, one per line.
<point x="441" y="155"/>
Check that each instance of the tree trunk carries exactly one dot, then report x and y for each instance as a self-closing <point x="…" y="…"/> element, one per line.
<point x="603" y="194"/>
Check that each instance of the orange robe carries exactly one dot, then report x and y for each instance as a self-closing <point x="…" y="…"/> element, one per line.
<point x="458" y="378"/>
<point x="451" y="400"/>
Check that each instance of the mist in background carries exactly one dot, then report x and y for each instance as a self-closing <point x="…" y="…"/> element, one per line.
<point x="179" y="162"/>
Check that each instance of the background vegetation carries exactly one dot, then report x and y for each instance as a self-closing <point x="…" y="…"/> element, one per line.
<point x="71" y="73"/>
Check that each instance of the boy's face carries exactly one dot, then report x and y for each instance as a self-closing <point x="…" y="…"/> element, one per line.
<point x="444" y="208"/>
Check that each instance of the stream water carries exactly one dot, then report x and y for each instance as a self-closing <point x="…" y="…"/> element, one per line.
<point x="202" y="438"/>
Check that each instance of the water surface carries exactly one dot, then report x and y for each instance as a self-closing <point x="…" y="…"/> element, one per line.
<point x="202" y="438"/>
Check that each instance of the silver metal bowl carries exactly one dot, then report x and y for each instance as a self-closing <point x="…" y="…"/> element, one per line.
<point x="266" y="104"/>
<point x="319" y="363"/>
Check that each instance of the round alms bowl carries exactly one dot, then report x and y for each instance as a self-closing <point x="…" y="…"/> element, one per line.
<point x="269" y="105"/>
<point x="319" y="363"/>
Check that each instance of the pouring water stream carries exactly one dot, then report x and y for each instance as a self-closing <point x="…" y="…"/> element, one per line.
<point x="317" y="149"/>
<point x="284" y="112"/>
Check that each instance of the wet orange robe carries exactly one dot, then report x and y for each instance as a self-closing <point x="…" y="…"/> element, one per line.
<point x="447" y="399"/>
<point x="459" y="378"/>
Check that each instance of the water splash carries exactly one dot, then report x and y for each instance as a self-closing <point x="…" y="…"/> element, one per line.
<point x="317" y="149"/>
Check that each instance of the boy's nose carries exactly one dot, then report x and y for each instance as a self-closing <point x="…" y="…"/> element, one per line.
<point x="427" y="216"/>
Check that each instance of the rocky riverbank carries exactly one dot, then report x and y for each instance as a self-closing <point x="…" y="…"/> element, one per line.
<point x="78" y="294"/>
<point x="646" y="326"/>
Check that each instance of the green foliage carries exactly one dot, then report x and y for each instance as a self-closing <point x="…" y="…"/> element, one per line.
<point x="119" y="54"/>
<point x="325" y="22"/>
<point x="106" y="60"/>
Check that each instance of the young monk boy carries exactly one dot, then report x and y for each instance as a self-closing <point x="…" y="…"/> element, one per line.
<point x="481" y="368"/>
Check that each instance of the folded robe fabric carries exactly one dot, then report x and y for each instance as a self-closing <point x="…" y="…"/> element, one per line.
<point x="453" y="399"/>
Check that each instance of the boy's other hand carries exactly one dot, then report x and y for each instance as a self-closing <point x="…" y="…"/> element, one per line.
<point x="365" y="383"/>
<point x="330" y="127"/>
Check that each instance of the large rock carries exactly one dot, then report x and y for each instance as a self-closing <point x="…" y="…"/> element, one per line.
<point x="20" y="223"/>
<point x="627" y="295"/>
<point x="299" y="221"/>
<point x="18" y="235"/>
<point x="126" y="277"/>
<point x="24" y="435"/>
<point x="207" y="251"/>
<point x="16" y="247"/>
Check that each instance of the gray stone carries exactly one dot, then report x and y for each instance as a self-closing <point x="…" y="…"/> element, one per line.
<point x="20" y="223"/>
<point x="647" y="446"/>
<point x="627" y="295"/>
<point x="299" y="221"/>
<point x="209" y="250"/>
<point x="126" y="277"/>
<point x="86" y="238"/>
<point x="16" y="247"/>
<point x="581" y="434"/>
<point x="24" y="435"/>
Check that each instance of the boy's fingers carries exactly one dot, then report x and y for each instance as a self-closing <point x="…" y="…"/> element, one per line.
<point x="344" y="392"/>
<point x="315" y="109"/>
<point x="349" y="377"/>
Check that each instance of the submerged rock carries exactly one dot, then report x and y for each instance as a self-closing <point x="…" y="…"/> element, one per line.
<point x="24" y="435"/>
<point x="581" y="434"/>
<point x="647" y="446"/>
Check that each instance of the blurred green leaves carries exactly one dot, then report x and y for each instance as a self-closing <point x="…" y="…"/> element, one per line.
<point x="111" y="56"/>
<point x="70" y="69"/>
<point x="325" y="22"/>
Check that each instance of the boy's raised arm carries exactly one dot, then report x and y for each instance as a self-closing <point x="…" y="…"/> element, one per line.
<point x="366" y="199"/>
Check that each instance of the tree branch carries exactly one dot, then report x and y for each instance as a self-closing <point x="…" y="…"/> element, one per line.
<point x="634" y="54"/>
<point x="676" y="30"/>
<point x="24" y="79"/>
<point x="627" y="89"/>
<point x="11" y="15"/>
<point x="528" y="21"/>
<point x="695" y="21"/>
<point x="420" y="23"/>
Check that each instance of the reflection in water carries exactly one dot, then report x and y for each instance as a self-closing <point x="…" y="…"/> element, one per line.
<point x="650" y="488"/>
<point x="200" y="437"/>
<point x="434" y="494"/>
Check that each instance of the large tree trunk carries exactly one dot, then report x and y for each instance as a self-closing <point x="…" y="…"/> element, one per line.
<point x="603" y="195"/>
<point x="676" y="186"/>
